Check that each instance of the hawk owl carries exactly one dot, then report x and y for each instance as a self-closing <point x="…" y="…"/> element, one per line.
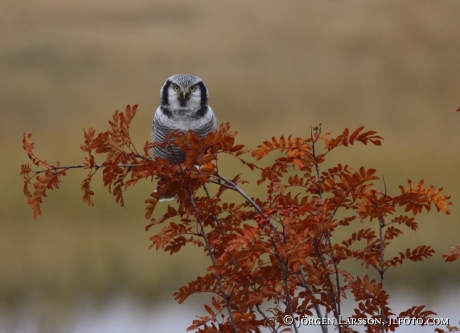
<point x="184" y="107"/>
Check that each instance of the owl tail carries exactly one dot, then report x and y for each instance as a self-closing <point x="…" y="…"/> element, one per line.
<point x="168" y="196"/>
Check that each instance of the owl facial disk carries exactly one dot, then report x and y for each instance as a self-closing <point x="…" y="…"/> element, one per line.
<point x="184" y="91"/>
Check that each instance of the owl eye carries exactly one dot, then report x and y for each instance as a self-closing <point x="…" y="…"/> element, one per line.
<point x="176" y="88"/>
<point x="193" y="88"/>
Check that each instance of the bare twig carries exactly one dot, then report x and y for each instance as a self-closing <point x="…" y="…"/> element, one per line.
<point x="335" y="302"/>
<point x="229" y="184"/>
<point x="83" y="166"/>
<point x="382" y="257"/>
<point x="213" y="259"/>
<point x="209" y="249"/>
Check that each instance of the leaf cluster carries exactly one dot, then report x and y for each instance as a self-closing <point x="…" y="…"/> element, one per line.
<point x="269" y="258"/>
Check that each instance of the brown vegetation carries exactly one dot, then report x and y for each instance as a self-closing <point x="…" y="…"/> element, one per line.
<point x="391" y="65"/>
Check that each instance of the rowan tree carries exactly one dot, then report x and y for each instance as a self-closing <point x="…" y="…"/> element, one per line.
<point x="273" y="262"/>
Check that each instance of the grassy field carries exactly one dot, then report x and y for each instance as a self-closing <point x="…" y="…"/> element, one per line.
<point x="272" y="67"/>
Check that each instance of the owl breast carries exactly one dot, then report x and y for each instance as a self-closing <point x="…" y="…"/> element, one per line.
<point x="184" y="107"/>
<point x="166" y="121"/>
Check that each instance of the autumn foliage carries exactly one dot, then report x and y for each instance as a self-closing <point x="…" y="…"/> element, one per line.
<point x="271" y="258"/>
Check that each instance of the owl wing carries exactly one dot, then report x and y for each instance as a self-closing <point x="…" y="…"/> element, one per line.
<point x="162" y="127"/>
<point x="208" y="124"/>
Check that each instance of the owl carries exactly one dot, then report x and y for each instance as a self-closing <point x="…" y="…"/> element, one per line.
<point x="184" y="107"/>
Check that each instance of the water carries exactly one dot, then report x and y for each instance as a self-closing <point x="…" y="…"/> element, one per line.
<point x="123" y="314"/>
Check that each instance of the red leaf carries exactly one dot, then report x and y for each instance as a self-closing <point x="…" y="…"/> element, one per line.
<point x="453" y="255"/>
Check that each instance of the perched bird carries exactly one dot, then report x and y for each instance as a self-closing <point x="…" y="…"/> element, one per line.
<point x="184" y="107"/>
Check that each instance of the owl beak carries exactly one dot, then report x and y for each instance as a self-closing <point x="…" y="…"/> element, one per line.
<point x="184" y="94"/>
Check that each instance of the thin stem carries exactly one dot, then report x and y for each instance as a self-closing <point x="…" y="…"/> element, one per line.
<point x="313" y="147"/>
<point x="285" y="272"/>
<point x="266" y="318"/>
<point x="382" y="257"/>
<point x="233" y="186"/>
<point x="335" y="302"/>
<point x="207" y="245"/>
<point x="83" y="166"/>
<point x="286" y="288"/>
<point x="209" y="196"/>
<point x="236" y="188"/>
<point x="213" y="259"/>
<point x="209" y="249"/>
<point x="316" y="305"/>
<point x="224" y="232"/>
<point x="229" y="184"/>
<point x="381" y="269"/>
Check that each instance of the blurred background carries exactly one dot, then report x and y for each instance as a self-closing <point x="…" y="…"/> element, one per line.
<point x="273" y="68"/>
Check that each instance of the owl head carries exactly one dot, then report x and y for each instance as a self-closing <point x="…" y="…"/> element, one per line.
<point x="184" y="92"/>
